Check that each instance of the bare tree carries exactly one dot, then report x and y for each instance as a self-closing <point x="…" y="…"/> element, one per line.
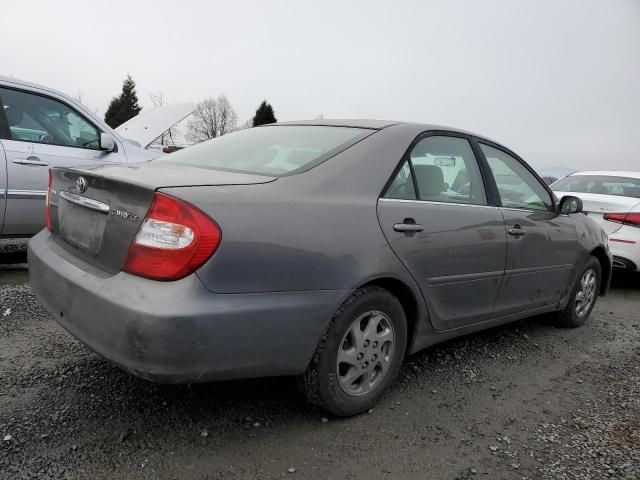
<point x="78" y="96"/>
<point x="158" y="99"/>
<point x="213" y="117"/>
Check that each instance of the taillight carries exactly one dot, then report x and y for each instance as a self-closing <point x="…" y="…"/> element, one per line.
<point x="173" y="241"/>
<point x="632" y="219"/>
<point x="47" y="204"/>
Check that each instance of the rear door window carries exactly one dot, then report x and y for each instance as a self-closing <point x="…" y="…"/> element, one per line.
<point x="446" y="170"/>
<point x="440" y="169"/>
<point x="402" y="186"/>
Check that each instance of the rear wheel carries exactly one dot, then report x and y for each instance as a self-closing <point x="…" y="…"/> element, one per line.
<point x="360" y="354"/>
<point x="583" y="297"/>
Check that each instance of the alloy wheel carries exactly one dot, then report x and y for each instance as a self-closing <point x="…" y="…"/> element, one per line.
<point x="586" y="292"/>
<point x="365" y="353"/>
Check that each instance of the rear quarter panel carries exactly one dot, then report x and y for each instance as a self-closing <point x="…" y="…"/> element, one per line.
<point x="316" y="230"/>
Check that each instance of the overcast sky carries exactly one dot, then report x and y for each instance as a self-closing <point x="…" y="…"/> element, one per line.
<point x="557" y="81"/>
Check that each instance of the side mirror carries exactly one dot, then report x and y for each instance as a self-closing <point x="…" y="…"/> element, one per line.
<point x="570" y="204"/>
<point x="107" y="143"/>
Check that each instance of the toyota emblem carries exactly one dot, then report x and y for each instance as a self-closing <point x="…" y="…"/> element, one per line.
<point x="81" y="184"/>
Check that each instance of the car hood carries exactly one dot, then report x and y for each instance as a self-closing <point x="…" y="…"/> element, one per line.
<point x="148" y="125"/>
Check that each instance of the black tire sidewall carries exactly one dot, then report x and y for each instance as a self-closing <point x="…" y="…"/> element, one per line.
<point x="334" y="397"/>
<point x="570" y="317"/>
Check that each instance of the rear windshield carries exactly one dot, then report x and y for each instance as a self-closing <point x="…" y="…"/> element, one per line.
<point x="274" y="150"/>
<point x="605" y="185"/>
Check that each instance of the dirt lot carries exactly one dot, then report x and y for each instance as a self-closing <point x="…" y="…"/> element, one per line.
<point x="524" y="401"/>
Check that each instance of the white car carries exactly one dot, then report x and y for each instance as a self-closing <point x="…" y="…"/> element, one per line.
<point x="41" y="128"/>
<point x="611" y="198"/>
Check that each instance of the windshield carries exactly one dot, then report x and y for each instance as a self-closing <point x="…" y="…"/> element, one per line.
<point x="602" y="184"/>
<point x="273" y="150"/>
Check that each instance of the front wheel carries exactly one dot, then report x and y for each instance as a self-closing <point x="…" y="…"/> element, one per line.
<point x="583" y="297"/>
<point x="360" y="354"/>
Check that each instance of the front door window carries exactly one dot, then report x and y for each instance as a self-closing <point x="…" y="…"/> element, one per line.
<point x="38" y="119"/>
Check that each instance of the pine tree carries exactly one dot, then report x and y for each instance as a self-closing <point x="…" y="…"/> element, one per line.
<point x="123" y="107"/>
<point x="264" y="114"/>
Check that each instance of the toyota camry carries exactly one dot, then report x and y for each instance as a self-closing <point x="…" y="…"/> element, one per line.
<point x="328" y="250"/>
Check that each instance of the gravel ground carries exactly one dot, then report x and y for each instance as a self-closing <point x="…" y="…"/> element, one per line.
<point x="13" y="251"/>
<point x="524" y="401"/>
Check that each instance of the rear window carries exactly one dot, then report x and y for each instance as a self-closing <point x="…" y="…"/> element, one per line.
<point x="605" y="185"/>
<point x="273" y="150"/>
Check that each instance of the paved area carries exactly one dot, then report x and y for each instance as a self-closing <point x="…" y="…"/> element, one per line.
<point x="524" y="401"/>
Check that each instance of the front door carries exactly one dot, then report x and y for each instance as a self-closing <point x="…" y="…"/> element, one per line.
<point x="43" y="133"/>
<point x="436" y="218"/>
<point x="543" y="245"/>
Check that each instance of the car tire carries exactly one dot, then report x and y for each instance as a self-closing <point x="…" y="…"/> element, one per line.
<point x="369" y="328"/>
<point x="583" y="296"/>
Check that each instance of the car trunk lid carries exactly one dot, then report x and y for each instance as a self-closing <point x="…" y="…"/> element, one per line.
<point x="597" y="206"/>
<point x="97" y="211"/>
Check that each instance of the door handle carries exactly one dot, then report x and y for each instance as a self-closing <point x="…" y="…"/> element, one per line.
<point x="35" y="161"/>
<point x="408" y="227"/>
<point x="516" y="231"/>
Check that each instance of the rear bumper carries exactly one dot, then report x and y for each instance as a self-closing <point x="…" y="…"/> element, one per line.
<point x="179" y="332"/>
<point x="625" y="247"/>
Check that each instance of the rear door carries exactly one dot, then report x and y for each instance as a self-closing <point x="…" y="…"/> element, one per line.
<point x="43" y="132"/>
<point x="543" y="246"/>
<point x="437" y="219"/>
<point x="3" y="180"/>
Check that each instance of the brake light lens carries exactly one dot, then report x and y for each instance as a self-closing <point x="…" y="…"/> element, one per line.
<point x="632" y="219"/>
<point x="47" y="204"/>
<point x="174" y="240"/>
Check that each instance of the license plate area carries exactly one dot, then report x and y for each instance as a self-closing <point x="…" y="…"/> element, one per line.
<point x="81" y="227"/>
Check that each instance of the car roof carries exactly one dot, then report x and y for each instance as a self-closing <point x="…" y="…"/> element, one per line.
<point x="608" y="173"/>
<point x="24" y="83"/>
<point x="352" y="123"/>
<point x="380" y="124"/>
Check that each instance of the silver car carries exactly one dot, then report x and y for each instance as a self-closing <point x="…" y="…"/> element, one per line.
<point x="41" y="128"/>
<point x="328" y="250"/>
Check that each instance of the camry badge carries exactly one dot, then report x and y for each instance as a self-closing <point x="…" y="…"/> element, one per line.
<point x="81" y="184"/>
<point x="124" y="214"/>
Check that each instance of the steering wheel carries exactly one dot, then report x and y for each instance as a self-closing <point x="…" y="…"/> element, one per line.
<point x="46" y="138"/>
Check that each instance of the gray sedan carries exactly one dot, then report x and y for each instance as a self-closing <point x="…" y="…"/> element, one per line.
<point x="328" y="250"/>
